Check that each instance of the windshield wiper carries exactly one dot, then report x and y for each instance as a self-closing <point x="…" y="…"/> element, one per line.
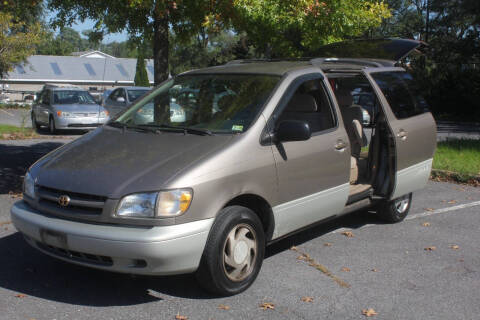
<point x="185" y="130"/>
<point x="117" y="124"/>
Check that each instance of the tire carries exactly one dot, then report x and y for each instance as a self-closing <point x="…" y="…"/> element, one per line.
<point x="234" y="252"/>
<point x="35" y="124"/>
<point x="51" y="126"/>
<point x="395" y="210"/>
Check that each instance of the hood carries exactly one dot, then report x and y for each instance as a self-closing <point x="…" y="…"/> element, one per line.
<point x="109" y="162"/>
<point x="391" y="50"/>
<point x="77" y="107"/>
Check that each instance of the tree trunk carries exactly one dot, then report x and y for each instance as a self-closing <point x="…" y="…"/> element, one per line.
<point x="160" y="49"/>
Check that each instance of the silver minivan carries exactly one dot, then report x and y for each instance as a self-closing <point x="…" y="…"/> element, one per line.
<point x="268" y="148"/>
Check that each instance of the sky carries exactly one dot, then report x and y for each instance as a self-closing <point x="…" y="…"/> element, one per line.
<point x="88" y="25"/>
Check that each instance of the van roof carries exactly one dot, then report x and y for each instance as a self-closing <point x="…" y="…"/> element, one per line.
<point x="346" y="55"/>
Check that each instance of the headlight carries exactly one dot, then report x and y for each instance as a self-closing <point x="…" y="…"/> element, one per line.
<point x="64" y="114"/>
<point x="140" y="205"/>
<point x="29" y="185"/>
<point x="104" y="114"/>
<point x="161" y="204"/>
<point x="173" y="202"/>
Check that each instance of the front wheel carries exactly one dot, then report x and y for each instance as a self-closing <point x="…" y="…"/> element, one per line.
<point x="35" y="124"/>
<point x="234" y="252"/>
<point x="51" y="126"/>
<point x="395" y="210"/>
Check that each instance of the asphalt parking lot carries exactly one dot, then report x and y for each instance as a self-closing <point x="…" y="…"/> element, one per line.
<point x="427" y="267"/>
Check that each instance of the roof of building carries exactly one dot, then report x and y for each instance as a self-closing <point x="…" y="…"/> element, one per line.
<point x="92" y="54"/>
<point x="77" y="70"/>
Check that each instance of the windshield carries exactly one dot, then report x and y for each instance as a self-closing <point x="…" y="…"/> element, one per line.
<point x="72" y="96"/>
<point x="135" y="94"/>
<point x="217" y="103"/>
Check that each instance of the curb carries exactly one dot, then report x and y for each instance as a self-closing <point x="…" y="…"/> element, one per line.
<point x="445" y="175"/>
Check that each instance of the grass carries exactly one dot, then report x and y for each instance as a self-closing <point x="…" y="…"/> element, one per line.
<point x="12" y="132"/>
<point x="460" y="157"/>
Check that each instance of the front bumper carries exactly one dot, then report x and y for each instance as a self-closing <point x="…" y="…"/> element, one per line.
<point x="161" y="250"/>
<point x="79" y="123"/>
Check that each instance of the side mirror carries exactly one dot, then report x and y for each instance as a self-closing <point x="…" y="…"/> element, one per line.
<point x="121" y="99"/>
<point x="293" y="130"/>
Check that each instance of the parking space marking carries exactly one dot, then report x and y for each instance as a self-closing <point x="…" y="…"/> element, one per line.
<point x="421" y="215"/>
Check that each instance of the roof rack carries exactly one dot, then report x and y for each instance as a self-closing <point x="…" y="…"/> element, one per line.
<point x="242" y="61"/>
<point x="321" y="61"/>
<point x="359" y="62"/>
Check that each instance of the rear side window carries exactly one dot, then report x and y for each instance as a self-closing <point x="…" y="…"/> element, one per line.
<point x="401" y="93"/>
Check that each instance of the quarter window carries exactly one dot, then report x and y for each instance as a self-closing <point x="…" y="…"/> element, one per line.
<point x="401" y="93"/>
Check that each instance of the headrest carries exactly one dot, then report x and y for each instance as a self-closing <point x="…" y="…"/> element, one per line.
<point x="344" y="97"/>
<point x="302" y="103"/>
<point x="225" y="102"/>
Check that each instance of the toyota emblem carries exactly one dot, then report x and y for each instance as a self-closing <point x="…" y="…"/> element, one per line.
<point x="64" y="200"/>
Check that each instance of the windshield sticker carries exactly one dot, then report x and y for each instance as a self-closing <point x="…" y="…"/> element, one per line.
<point x="237" y="127"/>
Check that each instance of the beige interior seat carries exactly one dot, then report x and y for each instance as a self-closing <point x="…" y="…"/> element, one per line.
<point x="352" y="118"/>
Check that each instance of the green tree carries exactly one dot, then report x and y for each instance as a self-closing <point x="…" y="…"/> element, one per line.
<point x="149" y="20"/>
<point x="278" y="28"/>
<point x="17" y="42"/>
<point x="141" y="77"/>
<point x="299" y="27"/>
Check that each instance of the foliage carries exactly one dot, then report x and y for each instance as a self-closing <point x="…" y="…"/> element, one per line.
<point x="141" y="76"/>
<point x="17" y="42"/>
<point x="25" y="11"/>
<point x="449" y="72"/>
<point x="275" y="28"/>
<point x="148" y="20"/>
<point x="195" y="53"/>
<point x="295" y="27"/>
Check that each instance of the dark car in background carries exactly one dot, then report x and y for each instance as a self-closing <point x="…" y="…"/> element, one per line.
<point x="120" y="98"/>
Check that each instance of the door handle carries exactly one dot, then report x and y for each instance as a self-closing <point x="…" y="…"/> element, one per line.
<point x="402" y="134"/>
<point x="340" y="145"/>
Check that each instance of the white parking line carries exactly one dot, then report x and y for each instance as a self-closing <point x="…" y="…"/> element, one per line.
<point x="10" y="114"/>
<point x="421" y="215"/>
<point x="442" y="210"/>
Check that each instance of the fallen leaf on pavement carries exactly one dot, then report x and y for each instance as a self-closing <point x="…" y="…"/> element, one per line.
<point x="345" y="269"/>
<point x="179" y="317"/>
<point x="327" y="244"/>
<point x="369" y="312"/>
<point x="429" y="209"/>
<point x="14" y="195"/>
<point x="294" y="248"/>
<point x="307" y="299"/>
<point x="20" y="295"/>
<point x="430" y="248"/>
<point x="374" y="270"/>
<point x="454" y="247"/>
<point x="348" y="234"/>
<point x="267" y="305"/>
<point x="452" y="202"/>
<point x="223" y="307"/>
<point x="426" y="224"/>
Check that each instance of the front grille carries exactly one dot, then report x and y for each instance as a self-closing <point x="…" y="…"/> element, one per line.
<point x="85" y="114"/>
<point x="76" y="256"/>
<point x="80" y="203"/>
